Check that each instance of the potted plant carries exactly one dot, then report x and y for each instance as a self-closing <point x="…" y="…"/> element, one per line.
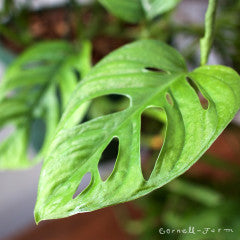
<point x="141" y="99"/>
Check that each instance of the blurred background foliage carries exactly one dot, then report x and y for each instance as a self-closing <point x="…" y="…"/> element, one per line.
<point x="208" y="195"/>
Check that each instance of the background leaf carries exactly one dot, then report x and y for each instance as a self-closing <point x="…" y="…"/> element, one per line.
<point x="137" y="10"/>
<point x="154" y="8"/>
<point x="130" y="11"/>
<point x="29" y="92"/>
<point x="150" y="74"/>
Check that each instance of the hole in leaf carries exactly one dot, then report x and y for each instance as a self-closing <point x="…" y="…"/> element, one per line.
<point x="59" y="98"/>
<point x="6" y="132"/>
<point x="108" y="159"/>
<point x="31" y="153"/>
<point x="116" y="98"/>
<point x="86" y="179"/>
<point x="37" y="134"/>
<point x="36" y="139"/>
<point x="17" y="142"/>
<point x="35" y="64"/>
<point x="154" y="69"/>
<point x="153" y="128"/>
<point x="77" y="74"/>
<point x="169" y="99"/>
<point x="107" y="104"/>
<point x="204" y="102"/>
<point x="10" y="94"/>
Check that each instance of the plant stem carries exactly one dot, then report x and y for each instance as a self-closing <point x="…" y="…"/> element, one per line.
<point x="207" y="41"/>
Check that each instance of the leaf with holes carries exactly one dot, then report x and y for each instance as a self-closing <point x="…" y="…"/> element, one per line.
<point x="136" y="10"/>
<point x="29" y="97"/>
<point x="150" y="74"/>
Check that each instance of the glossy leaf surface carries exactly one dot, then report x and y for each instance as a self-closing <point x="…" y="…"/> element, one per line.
<point x="29" y="92"/>
<point x="150" y="74"/>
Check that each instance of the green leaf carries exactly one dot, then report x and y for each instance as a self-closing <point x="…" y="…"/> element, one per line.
<point x="150" y="74"/>
<point x="136" y="10"/>
<point x="196" y="192"/>
<point x="130" y="11"/>
<point x="29" y="92"/>
<point x="153" y="8"/>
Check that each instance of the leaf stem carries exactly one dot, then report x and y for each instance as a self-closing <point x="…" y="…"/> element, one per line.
<point x="207" y="41"/>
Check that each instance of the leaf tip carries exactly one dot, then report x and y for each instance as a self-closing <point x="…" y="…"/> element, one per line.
<point x="37" y="217"/>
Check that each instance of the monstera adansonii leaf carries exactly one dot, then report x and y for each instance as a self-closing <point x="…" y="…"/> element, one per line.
<point x="150" y="74"/>
<point x="137" y="10"/>
<point x="30" y="96"/>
